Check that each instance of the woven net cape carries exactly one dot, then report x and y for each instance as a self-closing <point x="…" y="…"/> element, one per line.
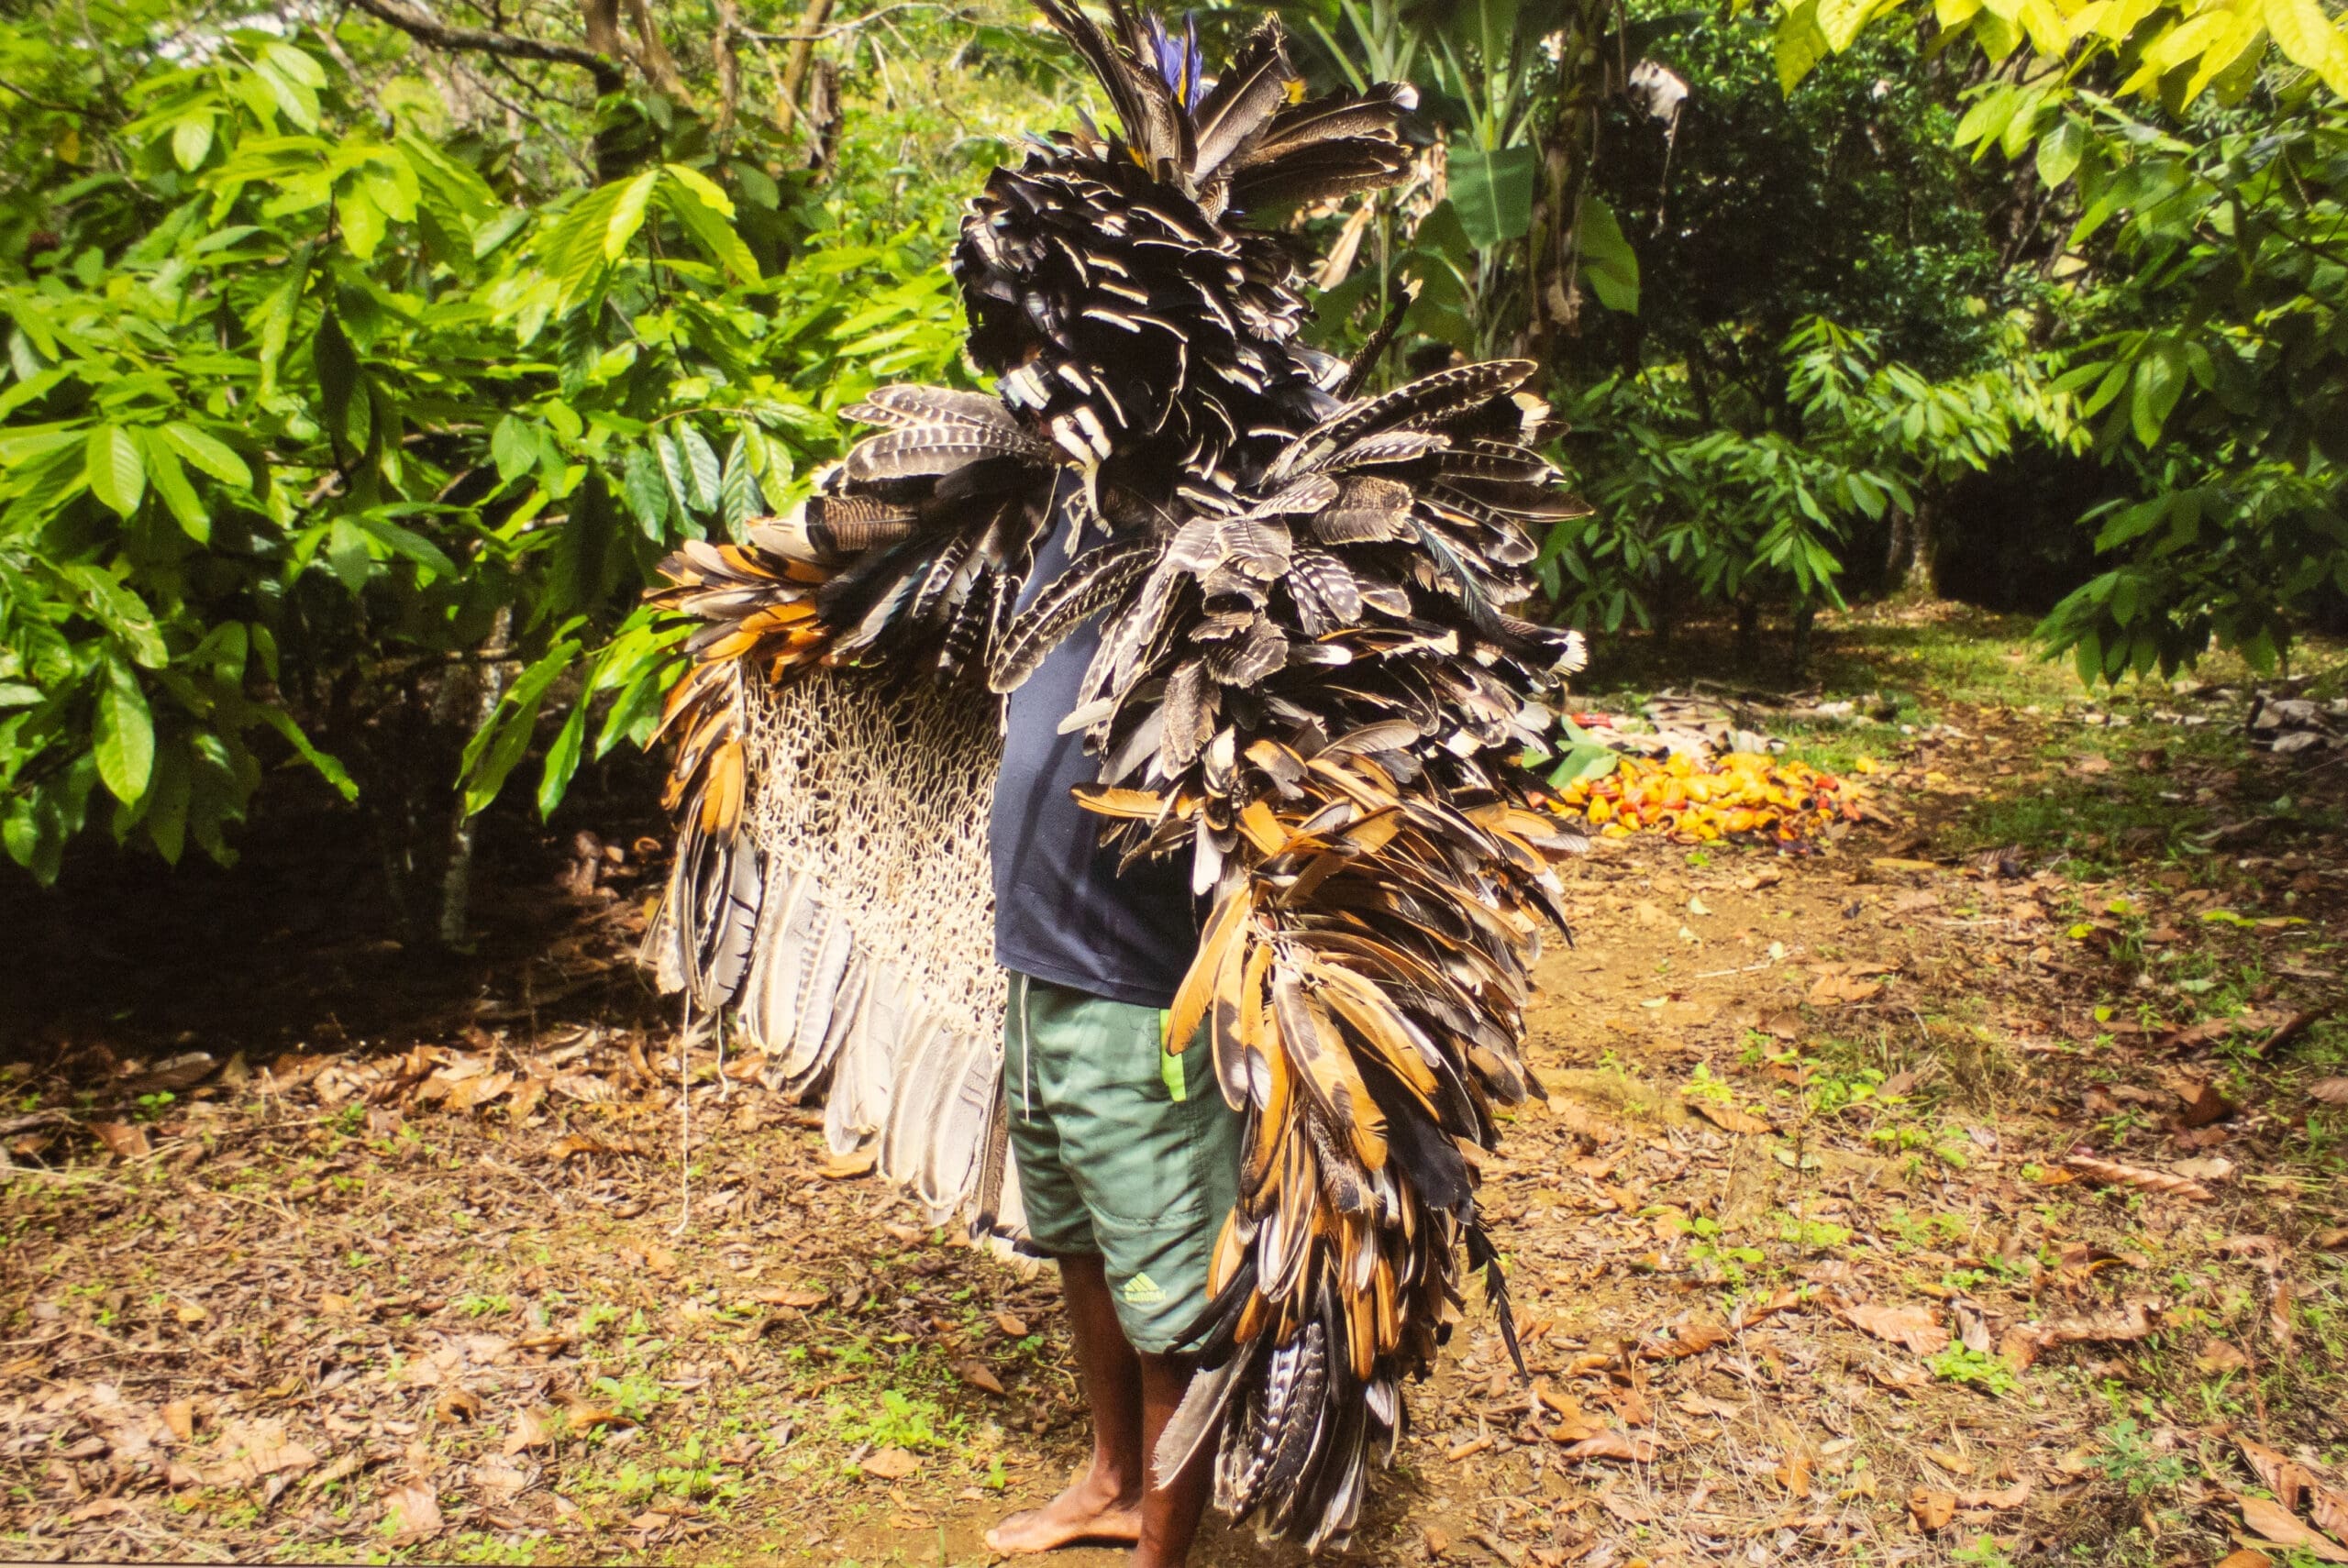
<point x="878" y="990"/>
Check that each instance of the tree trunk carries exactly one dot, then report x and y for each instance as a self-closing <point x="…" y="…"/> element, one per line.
<point x="1748" y="633"/>
<point x="456" y="875"/>
<point x="1805" y="618"/>
<point x="794" y="68"/>
<point x="1907" y="565"/>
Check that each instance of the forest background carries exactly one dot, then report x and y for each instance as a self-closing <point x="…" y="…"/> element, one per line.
<point x="363" y="359"/>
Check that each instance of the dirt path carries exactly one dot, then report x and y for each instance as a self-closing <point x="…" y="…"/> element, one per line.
<point x="1803" y="1272"/>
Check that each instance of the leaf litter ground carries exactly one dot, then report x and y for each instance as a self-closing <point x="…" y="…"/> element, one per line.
<point x="1968" y="1191"/>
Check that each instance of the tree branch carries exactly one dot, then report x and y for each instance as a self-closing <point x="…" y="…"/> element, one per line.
<point x="441" y="35"/>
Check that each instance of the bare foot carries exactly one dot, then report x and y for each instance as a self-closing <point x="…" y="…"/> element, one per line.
<point x="1088" y="1511"/>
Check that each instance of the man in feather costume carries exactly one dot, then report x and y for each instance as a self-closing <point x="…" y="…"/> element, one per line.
<point x="1266" y="864"/>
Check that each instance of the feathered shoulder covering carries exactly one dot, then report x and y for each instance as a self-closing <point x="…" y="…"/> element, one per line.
<point x="1311" y="680"/>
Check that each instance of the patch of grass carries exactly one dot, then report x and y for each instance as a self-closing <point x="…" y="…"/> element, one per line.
<point x="898" y="1421"/>
<point x="1974" y="1369"/>
<point x="2132" y="1464"/>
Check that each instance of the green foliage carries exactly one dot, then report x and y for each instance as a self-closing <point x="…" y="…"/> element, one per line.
<point x="310" y="399"/>
<point x="1976" y="1369"/>
<point x="2130" y="1461"/>
<point x="2201" y="337"/>
<point x="1737" y="516"/>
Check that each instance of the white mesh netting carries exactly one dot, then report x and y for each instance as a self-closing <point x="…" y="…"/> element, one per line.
<point x="880" y="789"/>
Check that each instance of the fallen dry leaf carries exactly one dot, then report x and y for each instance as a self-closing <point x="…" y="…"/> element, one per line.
<point x="1794" y="1475"/>
<point x="2162" y="1182"/>
<point x="1613" y="1444"/>
<point x="2218" y="1356"/>
<point x="180" y="1415"/>
<point x="121" y="1139"/>
<point x="1932" y="1510"/>
<point x="2022" y="1343"/>
<point x="413" y="1511"/>
<point x="1694" y="1339"/>
<point x="890" y="1464"/>
<point x="532" y="1429"/>
<point x="798" y="1298"/>
<point x="2331" y="1511"/>
<point x="1727" y="1118"/>
<point x="457" y="1404"/>
<point x="478" y="1090"/>
<point x="499" y="1481"/>
<point x="1750" y="1312"/>
<point x="1437" y="1543"/>
<point x="573" y="1144"/>
<point x="2270" y="1520"/>
<point x="2013" y="1497"/>
<point x="2331" y="1092"/>
<point x="2203" y="1104"/>
<point x="1835" y="990"/>
<point x="847" y="1167"/>
<point x="978" y="1375"/>
<point x="2244" y="1558"/>
<point x="1012" y="1323"/>
<point x="257" y="1451"/>
<point x="1917" y="1328"/>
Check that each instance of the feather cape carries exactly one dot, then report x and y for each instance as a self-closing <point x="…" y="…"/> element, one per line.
<point x="1311" y="681"/>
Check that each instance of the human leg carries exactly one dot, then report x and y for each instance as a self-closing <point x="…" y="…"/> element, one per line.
<point x="1169" y="1514"/>
<point x="1106" y="1502"/>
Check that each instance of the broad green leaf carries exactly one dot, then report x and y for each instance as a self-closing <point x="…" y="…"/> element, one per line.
<point x="192" y="141"/>
<point x="504" y="739"/>
<point x="674" y="474"/>
<point x="405" y="541"/>
<point x="363" y="222"/>
<point x="120" y="610"/>
<point x="116" y="473"/>
<point x="712" y="232"/>
<point x="165" y="819"/>
<point x="274" y="322"/>
<point x="123" y="739"/>
<point x="2159" y="382"/>
<point x="1493" y="192"/>
<point x="738" y="489"/>
<point x="563" y="754"/>
<point x="572" y="251"/>
<point x="701" y="466"/>
<point x="1608" y="261"/>
<point x="627" y="214"/>
<point x="2310" y="40"/>
<point x="325" y="766"/>
<point x="336" y="364"/>
<point x="701" y="188"/>
<point x="2059" y="151"/>
<point x="513" y="446"/>
<point x="646" y="494"/>
<point x="171" y="484"/>
<point x="1800" y="43"/>
<point x="348" y="556"/>
<point x="208" y="453"/>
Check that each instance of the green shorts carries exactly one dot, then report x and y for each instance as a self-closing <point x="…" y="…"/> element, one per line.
<point x="1124" y="1151"/>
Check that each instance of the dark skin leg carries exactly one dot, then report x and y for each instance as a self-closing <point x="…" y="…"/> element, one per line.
<point x="1131" y="1395"/>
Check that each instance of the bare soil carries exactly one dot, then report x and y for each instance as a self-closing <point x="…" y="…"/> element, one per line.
<point x="415" y="1268"/>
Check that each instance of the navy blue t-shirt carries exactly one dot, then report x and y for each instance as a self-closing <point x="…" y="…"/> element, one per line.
<point x="1062" y="913"/>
